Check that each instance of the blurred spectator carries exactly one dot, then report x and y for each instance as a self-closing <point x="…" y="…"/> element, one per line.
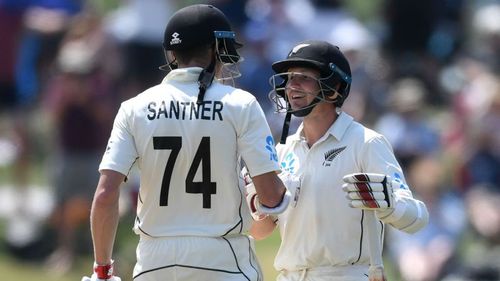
<point x="423" y="28"/>
<point x="256" y="67"/>
<point x="427" y="255"/>
<point x="235" y="11"/>
<point x="268" y="33"/>
<point x="410" y="25"/>
<point x="470" y="136"/>
<point x="422" y="36"/>
<point x="484" y="164"/>
<point x="10" y="30"/>
<point x="80" y="101"/>
<point x="480" y="256"/>
<point x="485" y="32"/>
<point x="11" y="27"/>
<point x="370" y="69"/>
<point x="30" y="29"/>
<point x="406" y="127"/>
<point x="138" y="26"/>
<point x="30" y="32"/>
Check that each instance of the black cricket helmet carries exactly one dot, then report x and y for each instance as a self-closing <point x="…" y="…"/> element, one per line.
<point x="320" y="55"/>
<point x="199" y="25"/>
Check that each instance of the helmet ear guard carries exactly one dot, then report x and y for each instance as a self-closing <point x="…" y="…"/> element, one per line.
<point x="226" y="45"/>
<point x="171" y="61"/>
<point x="277" y="95"/>
<point x="345" y="83"/>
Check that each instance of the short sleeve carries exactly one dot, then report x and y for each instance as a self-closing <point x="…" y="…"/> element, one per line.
<point x="121" y="152"/>
<point x="255" y="141"/>
<point x="378" y="157"/>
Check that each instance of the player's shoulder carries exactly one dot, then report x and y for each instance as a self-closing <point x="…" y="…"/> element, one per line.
<point x="234" y="94"/>
<point x="142" y="96"/>
<point x="360" y="132"/>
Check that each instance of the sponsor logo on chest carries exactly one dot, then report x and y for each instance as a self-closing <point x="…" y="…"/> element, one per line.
<point x="331" y="154"/>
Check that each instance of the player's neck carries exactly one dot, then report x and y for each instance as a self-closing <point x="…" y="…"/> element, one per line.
<point x="317" y="123"/>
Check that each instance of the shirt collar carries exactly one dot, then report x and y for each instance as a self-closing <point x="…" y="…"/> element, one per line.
<point x="188" y="74"/>
<point x="337" y="129"/>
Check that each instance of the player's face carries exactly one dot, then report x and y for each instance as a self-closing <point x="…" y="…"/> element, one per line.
<point x="302" y="86"/>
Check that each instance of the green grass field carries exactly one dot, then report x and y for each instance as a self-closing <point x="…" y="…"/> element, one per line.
<point x="16" y="270"/>
<point x="266" y="250"/>
<point x="13" y="269"/>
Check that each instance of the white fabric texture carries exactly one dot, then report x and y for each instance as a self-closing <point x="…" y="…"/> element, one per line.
<point x="180" y="259"/>
<point x="322" y="212"/>
<point x="188" y="155"/>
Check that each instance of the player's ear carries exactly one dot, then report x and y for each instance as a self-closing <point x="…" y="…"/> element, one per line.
<point x="332" y="95"/>
<point x="170" y="55"/>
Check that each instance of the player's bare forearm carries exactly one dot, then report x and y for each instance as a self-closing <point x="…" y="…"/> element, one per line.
<point x="263" y="228"/>
<point x="104" y="215"/>
<point x="269" y="188"/>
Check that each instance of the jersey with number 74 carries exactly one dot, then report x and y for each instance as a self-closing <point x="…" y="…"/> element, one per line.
<point x="188" y="155"/>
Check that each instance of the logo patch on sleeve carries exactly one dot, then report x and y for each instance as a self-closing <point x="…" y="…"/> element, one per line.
<point x="270" y="147"/>
<point x="402" y="185"/>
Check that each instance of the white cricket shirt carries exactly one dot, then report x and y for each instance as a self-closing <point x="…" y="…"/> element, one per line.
<point x="188" y="155"/>
<point x="320" y="229"/>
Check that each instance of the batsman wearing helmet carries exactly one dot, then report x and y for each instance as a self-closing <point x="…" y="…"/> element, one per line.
<point x="187" y="136"/>
<point x="352" y="186"/>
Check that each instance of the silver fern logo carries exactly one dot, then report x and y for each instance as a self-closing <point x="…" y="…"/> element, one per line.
<point x="331" y="154"/>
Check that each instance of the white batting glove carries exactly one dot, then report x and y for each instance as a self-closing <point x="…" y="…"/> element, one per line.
<point x="102" y="273"/>
<point x="251" y="195"/>
<point x="369" y="191"/>
<point x="252" y="201"/>
<point x="292" y="184"/>
<point x="259" y="211"/>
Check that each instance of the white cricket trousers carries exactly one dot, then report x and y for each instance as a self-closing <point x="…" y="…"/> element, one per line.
<point x="337" y="273"/>
<point x="190" y="258"/>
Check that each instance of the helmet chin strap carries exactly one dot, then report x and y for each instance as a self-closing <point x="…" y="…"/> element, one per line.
<point x="299" y="113"/>
<point x="286" y="127"/>
<point x="307" y="109"/>
<point x="205" y="80"/>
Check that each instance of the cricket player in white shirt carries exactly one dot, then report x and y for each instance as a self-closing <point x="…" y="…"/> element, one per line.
<point x="352" y="186"/>
<point x="187" y="136"/>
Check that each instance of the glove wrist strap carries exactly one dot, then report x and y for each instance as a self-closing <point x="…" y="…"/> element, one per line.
<point x="104" y="271"/>
<point x="275" y="210"/>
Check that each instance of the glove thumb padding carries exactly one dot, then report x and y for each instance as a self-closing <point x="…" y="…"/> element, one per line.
<point x="252" y="198"/>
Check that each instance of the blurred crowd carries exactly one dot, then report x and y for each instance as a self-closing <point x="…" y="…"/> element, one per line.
<point x="426" y="74"/>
